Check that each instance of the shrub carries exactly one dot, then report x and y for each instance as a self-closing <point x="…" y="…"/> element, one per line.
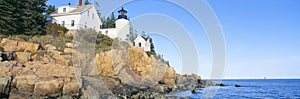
<point x="103" y="43"/>
<point x="55" y="30"/>
<point x="150" y="53"/>
<point x="20" y="37"/>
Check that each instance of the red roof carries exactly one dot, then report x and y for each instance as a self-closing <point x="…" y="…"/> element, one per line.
<point x="145" y="38"/>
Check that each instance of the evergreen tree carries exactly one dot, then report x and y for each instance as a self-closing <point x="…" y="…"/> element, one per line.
<point x="151" y="46"/>
<point x="32" y="20"/>
<point x="22" y="17"/>
<point x="7" y="20"/>
<point x="111" y="21"/>
<point x="103" y="23"/>
<point x="86" y="2"/>
<point x="50" y="9"/>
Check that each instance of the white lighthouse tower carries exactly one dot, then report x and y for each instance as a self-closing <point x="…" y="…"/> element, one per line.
<point x="123" y="25"/>
<point x="122" y="29"/>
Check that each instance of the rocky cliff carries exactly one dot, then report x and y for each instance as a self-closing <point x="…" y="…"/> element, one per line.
<point x="29" y="70"/>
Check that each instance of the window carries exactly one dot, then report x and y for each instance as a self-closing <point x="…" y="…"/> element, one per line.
<point x="133" y="43"/>
<point x="63" y="23"/>
<point x="64" y="9"/>
<point x="140" y="44"/>
<point x="85" y="25"/>
<point x="72" y="22"/>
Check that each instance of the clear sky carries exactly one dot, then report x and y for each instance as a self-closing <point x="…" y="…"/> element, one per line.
<point x="262" y="36"/>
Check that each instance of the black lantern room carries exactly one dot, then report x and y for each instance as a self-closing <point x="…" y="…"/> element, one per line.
<point x="122" y="14"/>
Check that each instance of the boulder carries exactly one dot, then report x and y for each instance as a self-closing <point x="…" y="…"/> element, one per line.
<point x="237" y="85"/>
<point x="48" y="87"/>
<point x="22" y="56"/>
<point x="17" y="96"/>
<point x="129" y="77"/>
<point x="32" y="47"/>
<point x="94" y="86"/>
<point x="69" y="45"/>
<point x="54" y="70"/>
<point x="4" y="86"/>
<point x="6" y="67"/>
<point x="61" y="59"/>
<point x="221" y="84"/>
<point x="90" y="93"/>
<point x="71" y="87"/>
<point x="68" y="50"/>
<point x="25" y="83"/>
<point x="50" y="48"/>
<point x="110" y="82"/>
<point x="9" y="45"/>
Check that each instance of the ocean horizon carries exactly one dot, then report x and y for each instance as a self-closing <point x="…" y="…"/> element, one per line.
<point x="250" y="88"/>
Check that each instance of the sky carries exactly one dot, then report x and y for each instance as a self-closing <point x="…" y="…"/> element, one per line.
<point x="261" y="36"/>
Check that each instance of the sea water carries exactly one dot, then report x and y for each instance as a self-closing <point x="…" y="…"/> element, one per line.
<point x="253" y="88"/>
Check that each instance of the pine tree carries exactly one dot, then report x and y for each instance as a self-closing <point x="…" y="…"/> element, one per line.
<point x="32" y="20"/>
<point x="50" y="9"/>
<point x="111" y="21"/>
<point x="86" y="2"/>
<point x="7" y="20"/>
<point x="152" y="46"/>
<point x="22" y="17"/>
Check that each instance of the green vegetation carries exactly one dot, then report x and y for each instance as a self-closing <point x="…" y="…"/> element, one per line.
<point x="86" y="2"/>
<point x="50" y="9"/>
<point x="152" y="50"/>
<point x="103" y="43"/>
<point x="89" y="38"/>
<point x="22" y="17"/>
<point x="109" y="22"/>
<point x="55" y="30"/>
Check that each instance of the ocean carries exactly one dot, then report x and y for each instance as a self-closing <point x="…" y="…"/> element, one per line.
<point x="254" y="88"/>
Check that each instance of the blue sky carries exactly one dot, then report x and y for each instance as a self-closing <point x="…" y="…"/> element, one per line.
<point x="261" y="36"/>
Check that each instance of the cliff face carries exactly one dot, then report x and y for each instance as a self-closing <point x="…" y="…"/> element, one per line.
<point x="29" y="70"/>
<point x="134" y="67"/>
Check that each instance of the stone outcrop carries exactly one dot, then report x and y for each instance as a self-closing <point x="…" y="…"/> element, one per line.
<point x="50" y="48"/>
<point x="48" y="86"/>
<point x="104" y="64"/>
<point x="71" y="87"/>
<point x="4" y="86"/>
<point x="68" y="50"/>
<point x="69" y="45"/>
<point x="25" y="83"/>
<point x="31" y="47"/>
<point x="12" y="45"/>
<point x="28" y="70"/>
<point x="139" y="61"/>
<point x="22" y="56"/>
<point x="9" y="45"/>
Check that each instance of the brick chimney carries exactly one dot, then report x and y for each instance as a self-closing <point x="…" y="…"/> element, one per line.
<point x="79" y="2"/>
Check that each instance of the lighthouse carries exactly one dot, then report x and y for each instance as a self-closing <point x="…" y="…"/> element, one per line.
<point x="122" y="14"/>
<point x="123" y="25"/>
